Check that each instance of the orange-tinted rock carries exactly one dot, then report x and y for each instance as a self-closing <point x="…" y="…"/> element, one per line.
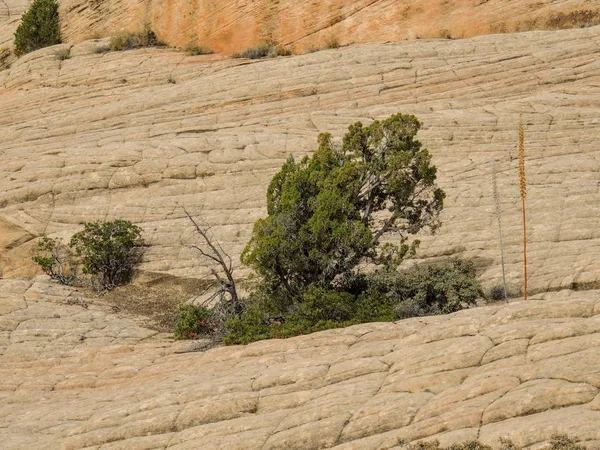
<point x="231" y="26"/>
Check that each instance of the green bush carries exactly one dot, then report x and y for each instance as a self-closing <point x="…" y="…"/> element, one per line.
<point x="39" y="28"/>
<point x="383" y="296"/>
<point x="109" y="250"/>
<point x="56" y="260"/>
<point x="440" y="288"/>
<point x="194" y="321"/>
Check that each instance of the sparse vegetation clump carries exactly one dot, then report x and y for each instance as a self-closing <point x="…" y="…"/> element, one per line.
<point x="382" y="296"/>
<point x="197" y="51"/>
<point x="5" y="57"/>
<point x="109" y="251"/>
<point x="440" y="288"/>
<point x="194" y="321"/>
<point x="557" y="442"/>
<point x="332" y="43"/>
<point x="63" y="54"/>
<point x="39" y="28"/>
<point x="130" y="41"/>
<point x="263" y="50"/>
<point x="56" y="260"/>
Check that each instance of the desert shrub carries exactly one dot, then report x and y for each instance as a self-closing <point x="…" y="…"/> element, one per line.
<point x="557" y="442"/>
<point x="497" y="293"/>
<point x="263" y="50"/>
<point x="383" y="296"/>
<point x="255" y="325"/>
<point x="39" y="28"/>
<point x="435" y="445"/>
<point x="63" y="54"/>
<point x="430" y="289"/>
<point x="130" y="41"/>
<point x="109" y="251"/>
<point x="194" y="321"/>
<point x="5" y="57"/>
<point x="195" y="50"/>
<point x="332" y="43"/>
<point x="56" y="260"/>
<point x="564" y="442"/>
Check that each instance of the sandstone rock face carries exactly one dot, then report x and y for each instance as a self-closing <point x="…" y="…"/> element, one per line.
<point x="142" y="134"/>
<point x="231" y="26"/>
<point x="73" y="375"/>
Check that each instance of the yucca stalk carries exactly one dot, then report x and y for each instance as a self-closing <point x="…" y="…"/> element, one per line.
<point x="498" y="217"/>
<point x="523" y="196"/>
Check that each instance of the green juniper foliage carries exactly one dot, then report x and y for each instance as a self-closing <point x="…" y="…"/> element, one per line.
<point x="109" y="250"/>
<point x="326" y="216"/>
<point x="328" y="213"/>
<point x="39" y="28"/>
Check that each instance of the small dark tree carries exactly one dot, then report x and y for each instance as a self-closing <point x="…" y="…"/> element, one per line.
<point x="109" y="250"/>
<point x="328" y="213"/>
<point x="39" y="28"/>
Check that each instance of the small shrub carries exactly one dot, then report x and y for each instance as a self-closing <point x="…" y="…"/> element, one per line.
<point x="263" y="50"/>
<point x="199" y="50"/>
<point x="564" y="442"/>
<point x="39" y="28"/>
<point x="5" y="57"/>
<point x="201" y="321"/>
<point x="194" y="321"/>
<point x="332" y="43"/>
<point x="497" y="293"/>
<point x="440" y="288"/>
<point x="63" y="54"/>
<point x="109" y="251"/>
<point x="101" y="49"/>
<point x="282" y="51"/>
<point x="383" y="296"/>
<point x="56" y="260"/>
<point x="130" y="41"/>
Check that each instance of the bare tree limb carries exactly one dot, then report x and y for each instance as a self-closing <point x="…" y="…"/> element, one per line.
<point x="213" y="250"/>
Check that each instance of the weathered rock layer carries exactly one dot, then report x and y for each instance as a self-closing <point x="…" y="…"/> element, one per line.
<point x="231" y="26"/>
<point x="73" y="375"/>
<point x="142" y="134"/>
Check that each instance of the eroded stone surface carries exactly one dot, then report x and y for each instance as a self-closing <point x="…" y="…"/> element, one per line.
<point x="230" y="26"/>
<point x="73" y="377"/>
<point x="101" y="136"/>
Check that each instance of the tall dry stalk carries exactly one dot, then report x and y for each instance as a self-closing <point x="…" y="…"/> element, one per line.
<point x="523" y="195"/>
<point x="498" y="217"/>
